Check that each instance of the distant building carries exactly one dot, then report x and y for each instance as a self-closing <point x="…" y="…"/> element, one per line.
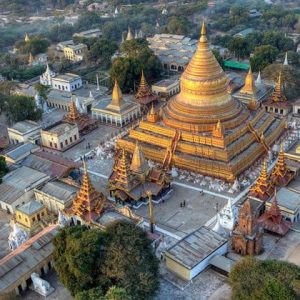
<point x="166" y="87"/>
<point x="191" y="255"/>
<point x="296" y="107"/>
<point x="60" y="137"/>
<point x="92" y="33"/>
<point x="56" y="195"/>
<point x="31" y="217"/>
<point x="18" y="154"/>
<point x="97" y="6"/>
<point x="17" y="187"/>
<point x="174" y="51"/>
<point x="75" y="52"/>
<point x="35" y="255"/>
<point x="22" y="131"/>
<point x="288" y="202"/>
<point x="67" y="82"/>
<point x="244" y="32"/>
<point x="116" y="110"/>
<point x="254" y="13"/>
<point x="54" y="165"/>
<point x="61" y="45"/>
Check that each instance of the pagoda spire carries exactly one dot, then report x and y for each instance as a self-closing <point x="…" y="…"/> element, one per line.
<point x="144" y="90"/>
<point x="116" y="98"/>
<point x="281" y="175"/>
<point x="286" y="62"/>
<point x="258" y="79"/>
<point x="124" y="174"/>
<point x="26" y="39"/>
<point x="88" y="202"/>
<point x="153" y="115"/>
<point x="30" y="59"/>
<point x="73" y="113"/>
<point x="274" y="210"/>
<point x="249" y="87"/>
<point x="263" y="188"/>
<point x="129" y="35"/>
<point x="138" y="163"/>
<point x="278" y="94"/>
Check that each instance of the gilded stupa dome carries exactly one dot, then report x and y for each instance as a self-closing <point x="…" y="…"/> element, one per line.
<point x="203" y="97"/>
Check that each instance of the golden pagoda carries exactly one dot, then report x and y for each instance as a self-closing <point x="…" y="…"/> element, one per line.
<point x="277" y="102"/>
<point x="281" y="175"/>
<point x="263" y="188"/>
<point x="30" y="59"/>
<point x="26" y="39"/>
<point x="84" y="122"/>
<point x="153" y="115"/>
<point x="88" y="204"/>
<point x="130" y="181"/>
<point x="144" y="94"/>
<point x="185" y="134"/>
<point x="129" y="36"/>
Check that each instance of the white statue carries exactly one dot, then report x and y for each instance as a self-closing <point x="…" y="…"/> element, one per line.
<point x="62" y="219"/>
<point x="40" y="285"/>
<point x="174" y="172"/>
<point x="17" y="237"/>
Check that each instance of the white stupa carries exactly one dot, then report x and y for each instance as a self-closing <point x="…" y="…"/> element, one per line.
<point x="286" y="62"/>
<point x="62" y="219"/>
<point x="219" y="228"/>
<point x="17" y="237"/>
<point x="258" y="79"/>
<point x="228" y="215"/>
<point x="46" y="77"/>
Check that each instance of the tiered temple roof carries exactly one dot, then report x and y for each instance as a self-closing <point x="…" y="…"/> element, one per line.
<point x="84" y="122"/>
<point x="185" y="136"/>
<point x="144" y="94"/>
<point x="132" y="181"/>
<point x="88" y="204"/>
<point x="263" y="188"/>
<point x="281" y="175"/>
<point x="273" y="221"/>
<point x="278" y="98"/>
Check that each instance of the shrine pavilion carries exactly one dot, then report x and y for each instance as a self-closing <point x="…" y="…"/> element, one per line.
<point x="203" y="129"/>
<point x="116" y="110"/>
<point x="144" y="95"/>
<point x="277" y="102"/>
<point x="263" y="188"/>
<point x="83" y="121"/>
<point x="272" y="220"/>
<point x="88" y="204"/>
<point x="133" y="181"/>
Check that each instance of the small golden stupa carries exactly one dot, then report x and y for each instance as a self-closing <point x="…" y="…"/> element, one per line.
<point x="203" y="129"/>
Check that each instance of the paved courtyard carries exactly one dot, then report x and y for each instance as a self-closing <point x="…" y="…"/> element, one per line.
<point x="198" y="210"/>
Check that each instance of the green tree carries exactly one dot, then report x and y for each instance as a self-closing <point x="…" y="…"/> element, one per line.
<point x="62" y="32"/>
<point x="135" y="57"/>
<point x="20" y="108"/>
<point x="88" y="20"/>
<point x="101" y="52"/>
<point x="137" y="273"/>
<point x="252" y="279"/>
<point x="3" y="168"/>
<point x="263" y="56"/>
<point x="239" y="46"/>
<point x="118" y="263"/>
<point x="178" y="25"/>
<point x="37" y="44"/>
<point x="79" y="257"/>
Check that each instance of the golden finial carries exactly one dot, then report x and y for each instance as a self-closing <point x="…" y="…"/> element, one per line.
<point x="27" y="39"/>
<point x="203" y="29"/>
<point x="248" y="87"/>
